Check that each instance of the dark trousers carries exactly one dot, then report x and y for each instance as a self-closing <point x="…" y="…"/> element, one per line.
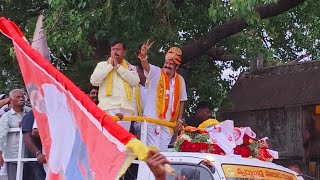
<point x="38" y="171"/>
<point x="31" y="171"/>
<point x="12" y="170"/>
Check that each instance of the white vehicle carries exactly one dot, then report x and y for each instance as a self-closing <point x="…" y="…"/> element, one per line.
<point x="204" y="166"/>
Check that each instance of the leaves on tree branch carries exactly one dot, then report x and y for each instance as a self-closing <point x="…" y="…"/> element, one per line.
<point x="205" y="42"/>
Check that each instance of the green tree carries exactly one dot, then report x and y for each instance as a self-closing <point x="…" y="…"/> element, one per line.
<point x="23" y="13"/>
<point x="208" y="31"/>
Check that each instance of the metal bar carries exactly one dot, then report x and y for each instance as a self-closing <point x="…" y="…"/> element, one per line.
<point x="20" y="154"/>
<point x="20" y="159"/>
<point x="14" y="130"/>
<point x="144" y="131"/>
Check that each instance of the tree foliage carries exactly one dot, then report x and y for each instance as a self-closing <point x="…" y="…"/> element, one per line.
<point x="80" y="31"/>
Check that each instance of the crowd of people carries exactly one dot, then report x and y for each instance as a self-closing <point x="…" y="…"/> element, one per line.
<point x="118" y="88"/>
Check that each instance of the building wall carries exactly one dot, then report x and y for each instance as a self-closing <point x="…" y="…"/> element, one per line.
<point x="283" y="126"/>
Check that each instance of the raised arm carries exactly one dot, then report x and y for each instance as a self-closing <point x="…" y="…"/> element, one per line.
<point x="143" y="55"/>
<point x="4" y="102"/>
<point x="181" y="110"/>
<point x="183" y="99"/>
<point x="145" y="64"/>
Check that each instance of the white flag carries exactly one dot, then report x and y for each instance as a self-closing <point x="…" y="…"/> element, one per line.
<point x="39" y="41"/>
<point x="222" y="134"/>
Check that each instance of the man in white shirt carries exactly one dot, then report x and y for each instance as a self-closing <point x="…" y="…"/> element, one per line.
<point x="166" y="97"/>
<point x="116" y="78"/>
<point x="12" y="119"/>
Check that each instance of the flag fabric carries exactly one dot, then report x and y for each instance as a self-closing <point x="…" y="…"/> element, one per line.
<point x="39" y="41"/>
<point x="79" y="140"/>
<point x="222" y="134"/>
<point x="238" y="134"/>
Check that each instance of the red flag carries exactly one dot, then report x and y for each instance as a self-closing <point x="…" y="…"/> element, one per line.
<point x="80" y="141"/>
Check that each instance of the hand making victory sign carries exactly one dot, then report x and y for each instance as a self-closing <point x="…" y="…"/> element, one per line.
<point x="145" y="48"/>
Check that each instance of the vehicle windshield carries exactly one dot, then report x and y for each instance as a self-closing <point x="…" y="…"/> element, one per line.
<point x="241" y="172"/>
<point x="191" y="171"/>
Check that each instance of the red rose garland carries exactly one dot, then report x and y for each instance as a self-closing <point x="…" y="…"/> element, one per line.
<point x="198" y="140"/>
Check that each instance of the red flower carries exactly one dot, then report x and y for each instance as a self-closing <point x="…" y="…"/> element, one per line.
<point x="194" y="147"/>
<point x="237" y="150"/>
<point x="247" y="140"/>
<point x="185" y="146"/>
<point x="244" y="151"/>
<point x="264" y="155"/>
<point x="217" y="150"/>
<point x="204" y="147"/>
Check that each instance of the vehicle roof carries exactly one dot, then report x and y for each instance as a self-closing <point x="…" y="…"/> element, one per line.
<point x="222" y="159"/>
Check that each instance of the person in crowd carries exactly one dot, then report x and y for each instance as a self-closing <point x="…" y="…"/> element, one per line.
<point x="295" y="166"/>
<point x="156" y="162"/>
<point x="4" y="104"/>
<point x="12" y="119"/>
<point x="33" y="144"/>
<point x="4" y="107"/>
<point x="4" y="100"/>
<point x="93" y="94"/>
<point x="202" y="113"/>
<point x="166" y="97"/>
<point x="116" y="79"/>
<point x="140" y="97"/>
<point x="140" y="91"/>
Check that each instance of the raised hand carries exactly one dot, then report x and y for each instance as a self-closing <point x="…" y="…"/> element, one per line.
<point x="41" y="158"/>
<point x="145" y="48"/>
<point x="156" y="162"/>
<point x="112" y="61"/>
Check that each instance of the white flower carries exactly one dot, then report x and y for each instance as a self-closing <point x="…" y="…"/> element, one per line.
<point x="210" y="141"/>
<point x="186" y="137"/>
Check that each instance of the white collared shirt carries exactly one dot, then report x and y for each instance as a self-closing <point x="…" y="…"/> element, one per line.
<point x="150" y="107"/>
<point x="9" y="120"/>
<point x="119" y="97"/>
